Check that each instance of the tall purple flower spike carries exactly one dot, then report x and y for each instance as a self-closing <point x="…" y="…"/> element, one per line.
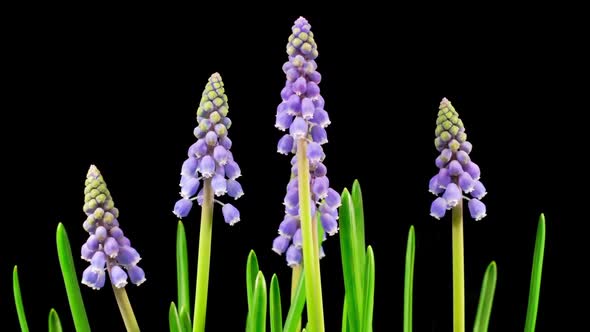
<point x="210" y="157"/>
<point x="302" y="113"/>
<point x="107" y="248"/>
<point x="458" y="174"/>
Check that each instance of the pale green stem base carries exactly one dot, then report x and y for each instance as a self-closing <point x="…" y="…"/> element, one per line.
<point x="125" y="309"/>
<point x="458" y="270"/>
<point x="204" y="258"/>
<point x="313" y="283"/>
<point x="296" y="274"/>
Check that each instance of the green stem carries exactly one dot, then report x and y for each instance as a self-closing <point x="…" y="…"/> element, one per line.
<point x="295" y="276"/>
<point x="458" y="270"/>
<point x="125" y="309"/>
<point x="313" y="283"/>
<point x="204" y="258"/>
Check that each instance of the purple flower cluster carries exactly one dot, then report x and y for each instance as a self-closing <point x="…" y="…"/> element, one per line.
<point x="106" y="247"/>
<point x="210" y="157"/>
<point x="457" y="173"/>
<point x="302" y="113"/>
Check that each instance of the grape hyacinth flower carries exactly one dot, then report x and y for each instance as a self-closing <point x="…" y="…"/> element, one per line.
<point x="209" y="171"/>
<point x="107" y="248"/>
<point x="302" y="113"/>
<point x="457" y="175"/>
<point x="209" y="158"/>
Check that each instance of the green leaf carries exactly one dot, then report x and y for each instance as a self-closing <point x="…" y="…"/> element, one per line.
<point x="409" y="280"/>
<point x="351" y="270"/>
<point x="18" y="301"/>
<point x="54" y="322"/>
<point x="173" y="319"/>
<point x="344" y="316"/>
<point x="182" y="268"/>
<point x="535" y="289"/>
<point x="252" y="270"/>
<point x="185" y="320"/>
<point x="296" y="309"/>
<point x="486" y="299"/>
<point x="369" y="290"/>
<point x="68" y="271"/>
<point x="276" y="312"/>
<point x="259" y="314"/>
<point x="359" y="221"/>
<point x="251" y="273"/>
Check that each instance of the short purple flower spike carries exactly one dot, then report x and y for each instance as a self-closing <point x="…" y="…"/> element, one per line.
<point x="301" y="114"/>
<point x="210" y="156"/>
<point x="106" y="248"/>
<point x="458" y="174"/>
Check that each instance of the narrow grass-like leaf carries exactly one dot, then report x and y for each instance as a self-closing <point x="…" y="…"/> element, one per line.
<point x="344" y="316"/>
<point x="276" y="312"/>
<point x="409" y="280"/>
<point x="68" y="270"/>
<point x="182" y="268"/>
<point x="18" y="301"/>
<point x="486" y="299"/>
<point x="359" y="221"/>
<point x="54" y="322"/>
<point x="259" y="313"/>
<point x="173" y="319"/>
<point x="369" y="290"/>
<point x="296" y="309"/>
<point x="251" y="273"/>
<point x="185" y="320"/>
<point x="535" y="288"/>
<point x="352" y="273"/>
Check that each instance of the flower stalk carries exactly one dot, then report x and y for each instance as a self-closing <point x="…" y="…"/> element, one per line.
<point x="125" y="309"/>
<point x="204" y="258"/>
<point x="313" y="289"/>
<point x="458" y="269"/>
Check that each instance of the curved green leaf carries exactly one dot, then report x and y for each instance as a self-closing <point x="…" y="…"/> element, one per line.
<point x="252" y="270"/>
<point x="182" y="268"/>
<point x="18" y="301"/>
<point x="259" y="314"/>
<point x="296" y="309"/>
<point x="276" y="312"/>
<point x="359" y="221"/>
<point x="251" y="273"/>
<point x="185" y="320"/>
<point x="68" y="270"/>
<point x="486" y="299"/>
<point x="369" y="290"/>
<point x="54" y="322"/>
<point x="173" y="319"/>
<point x="535" y="288"/>
<point x="344" y="316"/>
<point x="352" y="272"/>
<point x="409" y="280"/>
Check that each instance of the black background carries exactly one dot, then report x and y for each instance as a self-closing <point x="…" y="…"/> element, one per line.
<point x="119" y="90"/>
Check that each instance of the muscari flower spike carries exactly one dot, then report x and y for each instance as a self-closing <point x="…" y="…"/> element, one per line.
<point x="210" y="157"/>
<point x="457" y="174"/>
<point x="302" y="113"/>
<point x="107" y="248"/>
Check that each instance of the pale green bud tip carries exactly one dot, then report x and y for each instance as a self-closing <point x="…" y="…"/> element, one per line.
<point x="93" y="172"/>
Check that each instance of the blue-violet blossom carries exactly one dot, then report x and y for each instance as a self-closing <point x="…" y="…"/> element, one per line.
<point x="107" y="248"/>
<point x="457" y="174"/>
<point x="302" y="113"/>
<point x="210" y="157"/>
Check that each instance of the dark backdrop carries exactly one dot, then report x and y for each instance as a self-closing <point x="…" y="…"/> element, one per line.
<point x="120" y="91"/>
